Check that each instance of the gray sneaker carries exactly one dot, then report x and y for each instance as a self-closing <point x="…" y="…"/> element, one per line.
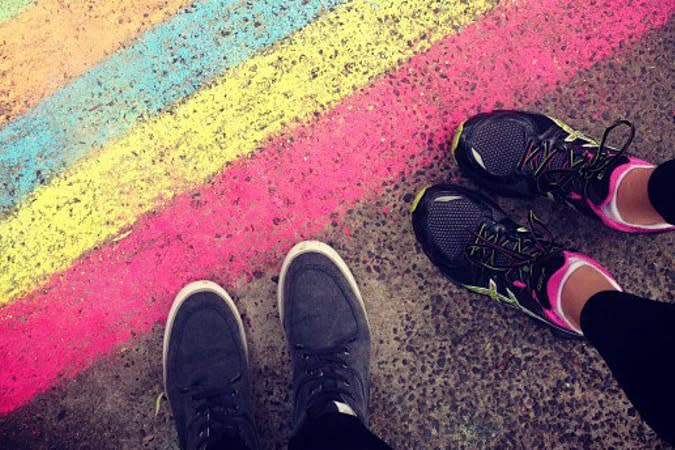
<point x="325" y="321"/>
<point x="206" y="375"/>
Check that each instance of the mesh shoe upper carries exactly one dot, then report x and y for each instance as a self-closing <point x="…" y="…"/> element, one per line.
<point x="452" y="224"/>
<point x="500" y="156"/>
<point x="477" y="246"/>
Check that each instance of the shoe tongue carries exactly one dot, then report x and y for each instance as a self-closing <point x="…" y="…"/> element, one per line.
<point x="598" y="188"/>
<point x="559" y="161"/>
<point x="513" y="231"/>
<point x="543" y="273"/>
<point x="326" y="406"/>
<point x="543" y="270"/>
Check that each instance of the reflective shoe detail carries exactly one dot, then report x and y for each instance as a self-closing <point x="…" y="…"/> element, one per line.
<point x="478" y="158"/>
<point x="326" y="326"/>
<point x="344" y="408"/>
<point x="331" y="407"/>
<point x="472" y="241"/>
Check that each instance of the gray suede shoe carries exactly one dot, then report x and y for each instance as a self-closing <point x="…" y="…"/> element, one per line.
<point x="206" y="375"/>
<point x="324" y="318"/>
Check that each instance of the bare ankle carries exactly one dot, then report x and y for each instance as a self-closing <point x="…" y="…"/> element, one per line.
<point x="633" y="199"/>
<point x="581" y="285"/>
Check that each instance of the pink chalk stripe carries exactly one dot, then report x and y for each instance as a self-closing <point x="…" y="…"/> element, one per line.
<point x="249" y="216"/>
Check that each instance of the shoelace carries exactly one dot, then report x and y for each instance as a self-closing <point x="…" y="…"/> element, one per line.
<point x="216" y="412"/>
<point x="558" y="181"/>
<point x="325" y="370"/>
<point x="496" y="250"/>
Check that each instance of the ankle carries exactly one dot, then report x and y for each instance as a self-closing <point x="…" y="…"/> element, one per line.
<point x="582" y="284"/>
<point x="633" y="203"/>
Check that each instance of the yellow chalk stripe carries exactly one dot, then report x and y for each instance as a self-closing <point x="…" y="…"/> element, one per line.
<point x="101" y="196"/>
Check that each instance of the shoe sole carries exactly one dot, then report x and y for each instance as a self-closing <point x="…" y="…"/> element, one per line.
<point x="455" y="140"/>
<point x="327" y="251"/>
<point x="418" y="199"/>
<point x="185" y="293"/>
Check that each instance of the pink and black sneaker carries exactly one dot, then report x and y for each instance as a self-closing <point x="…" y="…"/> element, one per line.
<point x="525" y="154"/>
<point x="472" y="241"/>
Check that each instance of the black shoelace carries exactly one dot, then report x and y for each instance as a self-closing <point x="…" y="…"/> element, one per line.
<point x="515" y="254"/>
<point x="579" y="169"/>
<point x="216" y="413"/>
<point x="325" y="370"/>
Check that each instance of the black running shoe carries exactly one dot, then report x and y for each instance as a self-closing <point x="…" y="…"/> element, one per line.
<point x="324" y="318"/>
<point x="472" y="241"/>
<point x="206" y="375"/>
<point x="525" y="154"/>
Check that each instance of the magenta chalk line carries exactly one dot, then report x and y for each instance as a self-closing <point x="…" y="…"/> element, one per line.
<point x="245" y="219"/>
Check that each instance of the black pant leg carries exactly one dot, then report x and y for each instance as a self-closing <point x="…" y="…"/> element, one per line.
<point x="335" y="431"/>
<point x="661" y="190"/>
<point x="226" y="443"/>
<point x="636" y="337"/>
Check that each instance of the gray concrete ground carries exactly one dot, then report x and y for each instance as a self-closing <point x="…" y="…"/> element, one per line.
<point x="449" y="369"/>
